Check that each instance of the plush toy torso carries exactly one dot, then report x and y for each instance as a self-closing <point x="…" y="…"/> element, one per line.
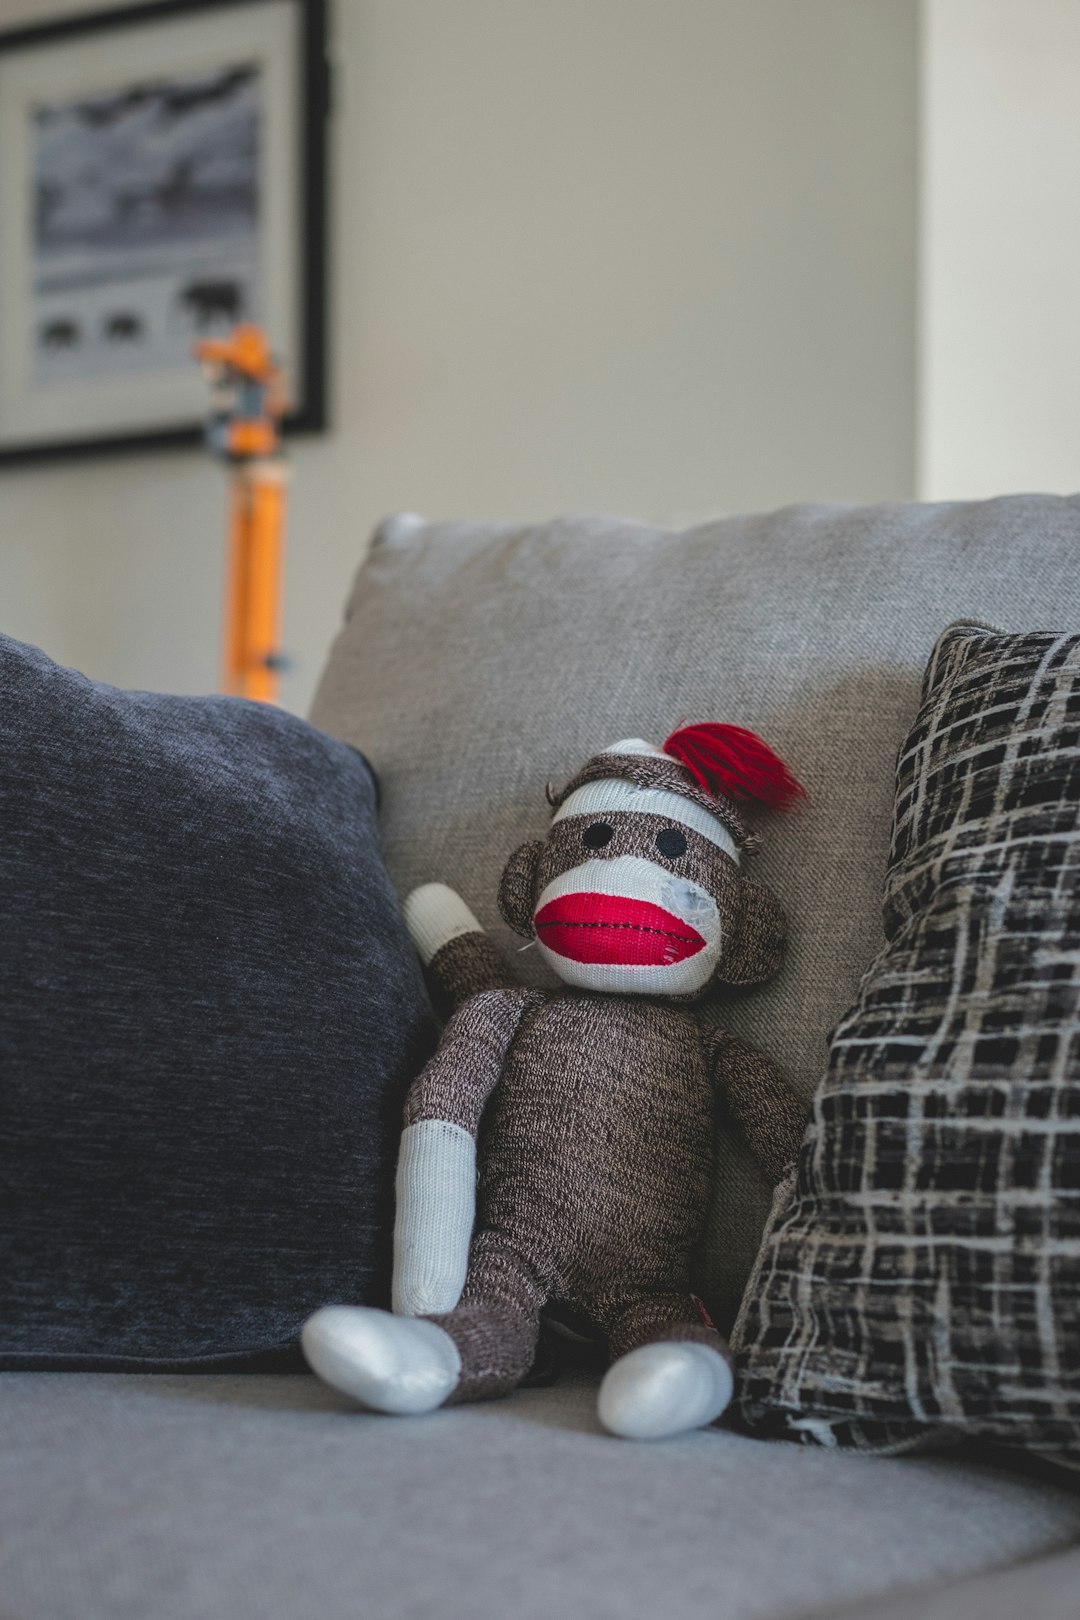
<point x="622" y="1150"/>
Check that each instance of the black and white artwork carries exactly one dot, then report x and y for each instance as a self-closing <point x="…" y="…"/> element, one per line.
<point x="162" y="179"/>
<point x="146" y="222"/>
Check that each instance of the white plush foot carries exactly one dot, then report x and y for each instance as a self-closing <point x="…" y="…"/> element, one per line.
<point x="396" y="1364"/>
<point x="664" y="1389"/>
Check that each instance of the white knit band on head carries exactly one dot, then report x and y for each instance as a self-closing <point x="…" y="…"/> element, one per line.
<point x="613" y="794"/>
<point x="636" y="745"/>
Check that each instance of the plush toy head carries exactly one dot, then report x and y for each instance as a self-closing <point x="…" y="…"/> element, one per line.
<point x="638" y="887"/>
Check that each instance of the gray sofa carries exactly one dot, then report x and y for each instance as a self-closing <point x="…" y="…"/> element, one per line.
<point x="475" y="663"/>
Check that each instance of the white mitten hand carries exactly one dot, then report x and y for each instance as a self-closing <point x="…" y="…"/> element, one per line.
<point x="436" y="1208"/>
<point x="434" y="915"/>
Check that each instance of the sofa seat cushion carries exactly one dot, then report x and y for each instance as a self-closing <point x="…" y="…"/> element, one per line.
<point x="268" y="1498"/>
<point x="1046" y="1588"/>
<point x="480" y="661"/>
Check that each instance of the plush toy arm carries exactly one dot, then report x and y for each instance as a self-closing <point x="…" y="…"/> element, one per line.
<point x="436" y="1175"/>
<point x="760" y="1100"/>
<point x="436" y="1208"/>
<point x="458" y="956"/>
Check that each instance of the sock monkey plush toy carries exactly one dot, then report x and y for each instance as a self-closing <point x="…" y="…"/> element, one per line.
<point x="558" y="1147"/>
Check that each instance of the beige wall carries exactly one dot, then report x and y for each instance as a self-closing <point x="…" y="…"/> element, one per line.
<point x="653" y="257"/>
<point x="1000" y="273"/>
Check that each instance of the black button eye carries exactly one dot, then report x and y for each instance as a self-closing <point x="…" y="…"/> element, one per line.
<point x="596" y="836"/>
<point x="671" y="842"/>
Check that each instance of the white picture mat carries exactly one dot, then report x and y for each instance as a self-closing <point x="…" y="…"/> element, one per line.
<point x="100" y="63"/>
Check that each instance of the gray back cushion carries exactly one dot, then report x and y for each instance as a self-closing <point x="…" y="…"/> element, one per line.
<point x="479" y="661"/>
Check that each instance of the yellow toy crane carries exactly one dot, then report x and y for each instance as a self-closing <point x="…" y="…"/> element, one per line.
<point x="245" y="428"/>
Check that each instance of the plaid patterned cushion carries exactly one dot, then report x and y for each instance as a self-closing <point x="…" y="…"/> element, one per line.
<point x="923" y="1270"/>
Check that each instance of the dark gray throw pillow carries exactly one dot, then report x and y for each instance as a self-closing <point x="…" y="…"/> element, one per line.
<point x="924" y="1272"/>
<point x="209" y="1013"/>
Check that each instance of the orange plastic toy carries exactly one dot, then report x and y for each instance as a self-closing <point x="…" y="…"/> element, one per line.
<point x="245" y="428"/>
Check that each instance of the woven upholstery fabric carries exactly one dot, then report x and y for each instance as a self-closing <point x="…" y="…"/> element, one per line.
<point x="480" y="661"/>
<point x="927" y="1269"/>
<point x="210" y="1011"/>
<point x="223" y="1497"/>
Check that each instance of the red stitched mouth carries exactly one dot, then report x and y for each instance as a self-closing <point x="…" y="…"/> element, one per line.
<point x="609" y="928"/>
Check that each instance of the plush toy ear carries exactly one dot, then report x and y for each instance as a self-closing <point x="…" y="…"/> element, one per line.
<point x="517" y="887"/>
<point x="755" y="948"/>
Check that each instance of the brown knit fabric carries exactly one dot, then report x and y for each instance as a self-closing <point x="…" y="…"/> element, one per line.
<point x="516" y="887"/>
<point x="666" y="774"/>
<point x="757" y="949"/>
<point x="465" y="967"/>
<point x="771" y="1117"/>
<point x="593" y="1190"/>
<point x="497" y="1323"/>
<point x="665" y="1319"/>
<point x="595" y="1112"/>
<point x="468" y="1065"/>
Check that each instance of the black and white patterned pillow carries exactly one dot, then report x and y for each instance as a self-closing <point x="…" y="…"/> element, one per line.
<point x="924" y="1269"/>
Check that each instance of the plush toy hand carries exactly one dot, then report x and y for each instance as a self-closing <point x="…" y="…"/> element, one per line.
<point x="460" y="959"/>
<point x="436" y="1208"/>
<point x="435" y="915"/>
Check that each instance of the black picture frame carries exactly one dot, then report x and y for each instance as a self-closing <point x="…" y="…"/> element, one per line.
<point x="308" y="413"/>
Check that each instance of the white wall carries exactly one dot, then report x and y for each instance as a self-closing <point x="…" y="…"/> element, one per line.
<point x="1000" y="271"/>
<point x="653" y="257"/>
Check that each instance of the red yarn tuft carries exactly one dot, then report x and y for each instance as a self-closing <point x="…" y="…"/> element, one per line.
<point x="732" y="760"/>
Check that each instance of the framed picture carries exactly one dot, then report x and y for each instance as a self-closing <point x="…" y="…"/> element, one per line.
<point x="162" y="177"/>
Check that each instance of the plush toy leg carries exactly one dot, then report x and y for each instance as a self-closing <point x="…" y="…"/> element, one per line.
<point x="672" y="1372"/>
<point x="399" y="1364"/>
<point x="497" y="1324"/>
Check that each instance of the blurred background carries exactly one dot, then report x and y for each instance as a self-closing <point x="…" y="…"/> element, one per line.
<point x="661" y="260"/>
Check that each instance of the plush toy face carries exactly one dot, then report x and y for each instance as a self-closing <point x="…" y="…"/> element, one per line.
<point x="641" y="902"/>
<point x="626" y="902"/>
